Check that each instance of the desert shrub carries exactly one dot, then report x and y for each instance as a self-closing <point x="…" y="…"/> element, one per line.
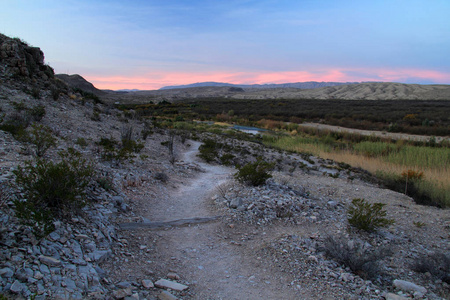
<point x="128" y="142"/>
<point x="145" y="133"/>
<point x="55" y="93"/>
<point x="19" y="106"/>
<point x="37" y="112"/>
<point x="255" y="173"/>
<point x="36" y="93"/>
<point x="105" y="183"/>
<point x="95" y="116"/>
<point x="412" y="174"/>
<point x="437" y="264"/>
<point x="15" y="123"/>
<point x="227" y="159"/>
<point x="209" y="150"/>
<point x="361" y="260"/>
<point x="52" y="190"/>
<point x="41" y="137"/>
<point x="113" y="150"/>
<point x="81" y="141"/>
<point x="366" y="216"/>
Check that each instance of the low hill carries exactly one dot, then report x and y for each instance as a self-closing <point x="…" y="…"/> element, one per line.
<point x="78" y="82"/>
<point x="361" y="91"/>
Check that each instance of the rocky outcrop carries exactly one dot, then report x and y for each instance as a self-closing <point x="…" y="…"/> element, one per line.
<point x="18" y="59"/>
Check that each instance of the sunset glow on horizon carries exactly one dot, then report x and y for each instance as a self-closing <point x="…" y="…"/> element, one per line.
<point x="158" y="80"/>
<point x="151" y="44"/>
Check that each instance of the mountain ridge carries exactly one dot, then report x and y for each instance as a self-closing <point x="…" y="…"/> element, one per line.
<point x="298" y="85"/>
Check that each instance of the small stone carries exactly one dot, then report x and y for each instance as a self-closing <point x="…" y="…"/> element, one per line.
<point x="124" y="284"/>
<point x="81" y="237"/>
<point x="173" y="276"/>
<point x="313" y="258"/>
<point x="122" y="293"/>
<point x="148" y="284"/>
<point x="165" y="295"/>
<point x="101" y="255"/>
<point x="410" y="287"/>
<point x="167" y="284"/>
<point x="44" y="269"/>
<point x="49" y="261"/>
<point x="6" y="273"/>
<point x="236" y="202"/>
<point x="392" y="296"/>
<point x="17" y="287"/>
<point x="38" y="275"/>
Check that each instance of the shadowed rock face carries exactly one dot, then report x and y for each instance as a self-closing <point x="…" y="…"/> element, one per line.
<point x="17" y="58"/>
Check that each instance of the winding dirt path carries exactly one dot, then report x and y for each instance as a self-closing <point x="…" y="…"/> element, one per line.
<point x="206" y="255"/>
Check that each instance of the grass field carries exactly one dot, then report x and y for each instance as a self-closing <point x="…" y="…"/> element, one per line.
<point x="387" y="160"/>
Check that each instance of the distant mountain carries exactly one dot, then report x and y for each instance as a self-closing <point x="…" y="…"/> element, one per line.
<point x="296" y="85"/>
<point x="77" y="81"/>
<point x="127" y="90"/>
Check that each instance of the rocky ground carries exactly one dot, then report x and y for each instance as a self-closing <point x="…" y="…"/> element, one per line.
<point x="163" y="226"/>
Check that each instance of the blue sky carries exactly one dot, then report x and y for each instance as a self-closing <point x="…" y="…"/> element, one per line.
<point x="150" y="44"/>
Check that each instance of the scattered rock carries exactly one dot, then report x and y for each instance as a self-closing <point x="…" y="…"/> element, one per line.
<point x="167" y="284"/>
<point x="173" y="276"/>
<point x="392" y="296"/>
<point x="49" y="261"/>
<point x="122" y="293"/>
<point x="165" y="295"/>
<point x="17" y="287"/>
<point x="148" y="284"/>
<point x="410" y="287"/>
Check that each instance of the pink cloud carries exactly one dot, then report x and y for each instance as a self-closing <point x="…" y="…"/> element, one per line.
<point x="156" y="80"/>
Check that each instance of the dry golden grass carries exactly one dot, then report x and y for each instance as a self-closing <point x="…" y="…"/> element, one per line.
<point x="439" y="175"/>
<point x="371" y="164"/>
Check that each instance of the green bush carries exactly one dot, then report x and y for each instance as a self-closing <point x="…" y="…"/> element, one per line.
<point x="41" y="136"/>
<point x="15" y="123"/>
<point x="81" y="141"/>
<point x="52" y="190"/>
<point x="112" y="150"/>
<point x="19" y="106"/>
<point x="366" y="216"/>
<point x="227" y="159"/>
<point x="254" y="174"/>
<point x="209" y="150"/>
<point x="37" y="112"/>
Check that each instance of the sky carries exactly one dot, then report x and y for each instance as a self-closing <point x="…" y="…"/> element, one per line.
<point x="148" y="44"/>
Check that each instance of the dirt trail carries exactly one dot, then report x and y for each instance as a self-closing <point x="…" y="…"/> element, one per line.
<point x="215" y="266"/>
